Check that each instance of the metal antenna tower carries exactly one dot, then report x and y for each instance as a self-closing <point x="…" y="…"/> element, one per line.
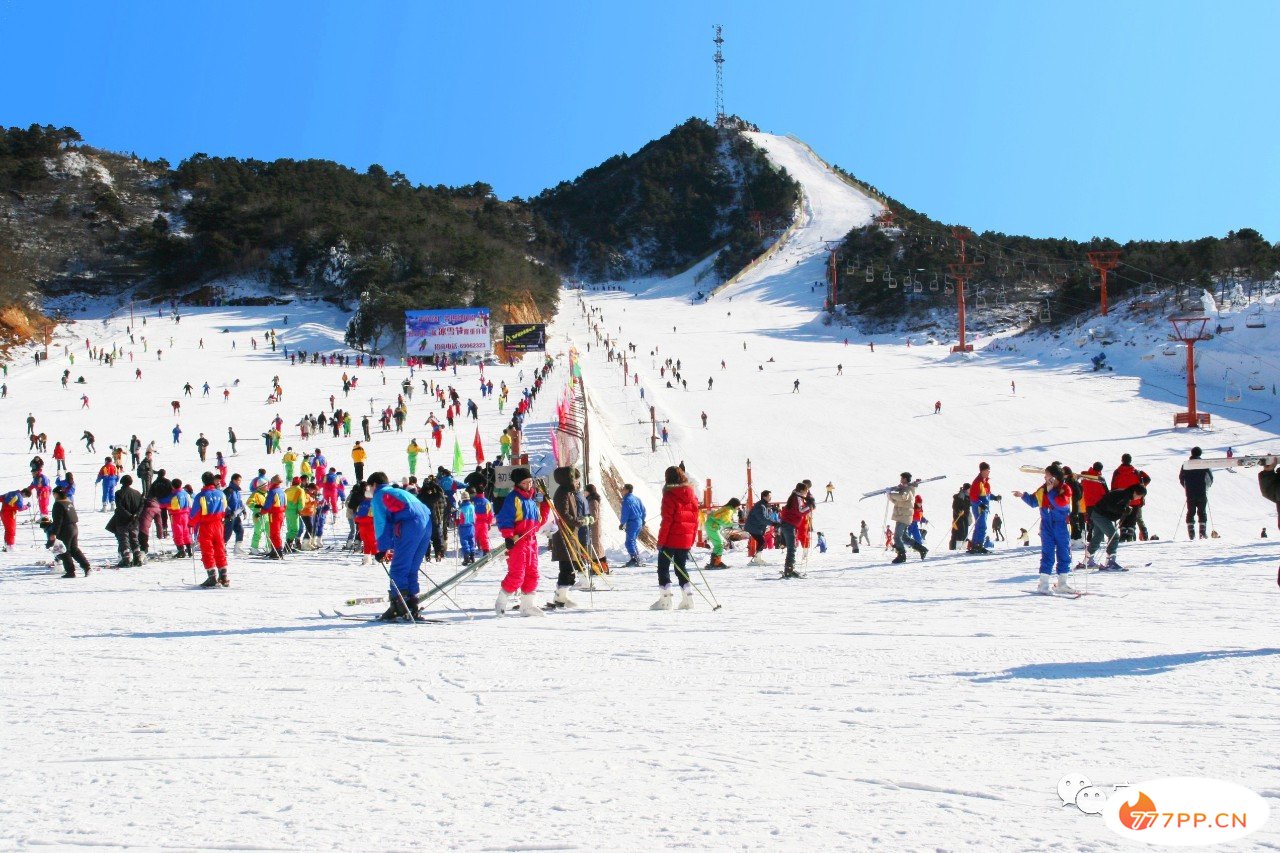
<point x="719" y="60"/>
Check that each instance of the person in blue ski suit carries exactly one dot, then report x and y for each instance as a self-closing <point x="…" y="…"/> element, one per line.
<point x="466" y="521"/>
<point x="108" y="476"/>
<point x="1053" y="499"/>
<point x="402" y="524"/>
<point x="632" y="517"/>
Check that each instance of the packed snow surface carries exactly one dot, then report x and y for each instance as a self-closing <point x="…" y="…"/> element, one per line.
<point x="933" y="705"/>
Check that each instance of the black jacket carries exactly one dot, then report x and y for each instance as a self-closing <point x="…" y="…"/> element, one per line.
<point x="1196" y="482"/>
<point x="64" y="523"/>
<point x="161" y="491"/>
<point x="1269" y="485"/>
<point x="1114" y="504"/>
<point x="128" y="510"/>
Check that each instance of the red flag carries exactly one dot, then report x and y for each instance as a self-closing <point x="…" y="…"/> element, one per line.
<point x="479" y="447"/>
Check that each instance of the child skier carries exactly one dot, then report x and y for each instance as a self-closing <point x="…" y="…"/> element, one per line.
<point x="466" y="522"/>
<point x="716" y="523"/>
<point x="1053" y="499"/>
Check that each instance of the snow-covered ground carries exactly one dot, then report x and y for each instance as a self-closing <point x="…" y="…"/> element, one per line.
<point x="933" y="705"/>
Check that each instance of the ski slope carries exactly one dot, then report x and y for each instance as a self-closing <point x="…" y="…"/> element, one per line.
<point x="933" y="705"/>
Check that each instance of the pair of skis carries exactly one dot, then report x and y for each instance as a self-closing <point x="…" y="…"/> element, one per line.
<point x="888" y="489"/>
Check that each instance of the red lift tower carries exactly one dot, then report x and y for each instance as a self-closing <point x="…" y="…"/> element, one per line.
<point x="1104" y="262"/>
<point x="961" y="271"/>
<point x="1189" y="330"/>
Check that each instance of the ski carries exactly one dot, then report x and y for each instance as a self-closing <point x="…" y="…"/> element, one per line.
<point x="888" y="489"/>
<point x="372" y="599"/>
<point x="1068" y="595"/>
<point x="1031" y="469"/>
<point x="1231" y="462"/>
<point x="355" y="617"/>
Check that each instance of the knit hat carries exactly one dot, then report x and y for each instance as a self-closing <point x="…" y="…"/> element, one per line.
<point x="297" y="481"/>
<point x="919" y="499"/>
<point x="1195" y="452"/>
<point x="463" y="495"/>
<point x="207" y="478"/>
<point x="519" y="475"/>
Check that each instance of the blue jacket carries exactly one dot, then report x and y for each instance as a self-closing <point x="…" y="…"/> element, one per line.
<point x="14" y="499"/>
<point x="70" y="488"/>
<point x="466" y="513"/>
<point x="632" y="510"/>
<point x="234" y="502"/>
<point x="1054" y="505"/>
<point x="208" y="501"/>
<point x="398" y="515"/>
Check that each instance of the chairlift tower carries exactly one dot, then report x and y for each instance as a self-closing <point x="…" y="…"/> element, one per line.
<point x="1189" y="330"/>
<point x="719" y="60"/>
<point x="961" y="271"/>
<point x="1104" y="262"/>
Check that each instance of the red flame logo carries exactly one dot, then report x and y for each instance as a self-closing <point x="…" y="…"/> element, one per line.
<point x="1140" y="815"/>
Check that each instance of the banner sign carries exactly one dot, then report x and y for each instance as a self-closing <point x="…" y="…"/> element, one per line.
<point x="446" y="331"/>
<point x="524" y="337"/>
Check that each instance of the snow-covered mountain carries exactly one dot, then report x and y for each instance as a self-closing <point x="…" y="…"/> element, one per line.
<point x="932" y="705"/>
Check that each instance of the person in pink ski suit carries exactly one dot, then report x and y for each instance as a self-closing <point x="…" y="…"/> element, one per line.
<point x="180" y="519"/>
<point x="484" y="518"/>
<point x="519" y="521"/>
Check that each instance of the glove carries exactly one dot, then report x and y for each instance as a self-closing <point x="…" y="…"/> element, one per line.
<point x="587" y="519"/>
<point x="996" y="498"/>
<point x="622" y="527"/>
<point x="510" y="542"/>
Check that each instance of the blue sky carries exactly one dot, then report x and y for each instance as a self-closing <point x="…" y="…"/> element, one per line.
<point x="1125" y="119"/>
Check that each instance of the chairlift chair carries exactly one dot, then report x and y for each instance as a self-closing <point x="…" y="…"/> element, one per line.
<point x="892" y="281"/>
<point x="871" y="274"/>
<point x="933" y="285"/>
<point x="1255" y="378"/>
<point x="1255" y="319"/>
<point x="916" y="285"/>
<point x="1233" y="388"/>
<point x="980" y="302"/>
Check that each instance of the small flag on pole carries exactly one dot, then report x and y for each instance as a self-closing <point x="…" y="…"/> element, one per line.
<point x="479" y="447"/>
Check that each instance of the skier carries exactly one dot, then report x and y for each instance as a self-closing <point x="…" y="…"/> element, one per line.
<point x="124" y="523"/>
<point x="902" y="499"/>
<point x="64" y="527"/>
<point x="1093" y="486"/>
<point x="864" y="535"/>
<point x="713" y="527"/>
<point x="831" y="493"/>
<point x="465" y="520"/>
<point x="1196" y="483"/>
<point x="484" y="518"/>
<point x="10" y="505"/>
<point x="914" y="530"/>
<point x="959" y="517"/>
<point x="295" y="497"/>
<point x="997" y="523"/>
<point x="704" y="421"/>
<point x="822" y="543"/>
<point x="290" y="459"/>
<point x="937" y="407"/>
<point x="980" y="503"/>
<point x="433" y="496"/>
<point x="676" y="535"/>
<point x="177" y="433"/>
<point x="1107" y="515"/>
<point x="361" y="506"/>
<point x="233" y="521"/>
<point x="632" y="517"/>
<point x="402" y="524"/>
<point x="108" y="477"/>
<point x="793" y="517"/>
<point x="59" y="457"/>
<point x="202" y="446"/>
<point x="273" y="507"/>
<point x="795" y="386"/>
<point x="573" y="520"/>
<point x="231" y="439"/>
<point x="180" y="519"/>
<point x="1054" y="502"/>
<point x="206" y="515"/>
<point x="594" y="501"/>
<point x="412" y="451"/>
<point x="1123" y="477"/>
<point x="257" y="496"/>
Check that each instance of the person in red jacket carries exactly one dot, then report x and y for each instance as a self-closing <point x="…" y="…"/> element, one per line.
<point x="1124" y="477"/>
<point x="59" y="457"/>
<point x="980" y="503"/>
<point x="794" y="516"/>
<point x="1095" y="489"/>
<point x="676" y="535"/>
<point x="206" y="515"/>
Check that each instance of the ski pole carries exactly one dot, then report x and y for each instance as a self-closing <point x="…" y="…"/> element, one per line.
<point x="715" y="605"/>
<point x="443" y="591"/>
<point x="396" y="589"/>
<point x="1181" y="514"/>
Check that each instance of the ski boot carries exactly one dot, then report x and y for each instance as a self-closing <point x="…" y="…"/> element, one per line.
<point x="717" y="562"/>
<point x="1112" y="565"/>
<point x="69" y="573"/>
<point x="223" y="580"/>
<point x="757" y="560"/>
<point x="136" y="562"/>
<point x="633" y="563"/>
<point x="562" y="598"/>
<point x="125" y="562"/>
<point x="922" y="551"/>
<point x="211" y="581"/>
<point x="686" y="597"/>
<point x="664" y="601"/>
<point x="1064" y="588"/>
<point x="900" y="558"/>
<point x="789" y="572"/>
<point x="500" y="606"/>
<point x="1043" y="588"/>
<point x="528" y="607"/>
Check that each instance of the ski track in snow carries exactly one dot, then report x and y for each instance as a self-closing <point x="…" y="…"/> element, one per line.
<point x="932" y="705"/>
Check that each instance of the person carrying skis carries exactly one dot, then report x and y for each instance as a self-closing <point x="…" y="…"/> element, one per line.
<point x="180" y="519"/>
<point x="718" y="521"/>
<point x="632" y="517"/>
<point x="676" y="535"/>
<point x="1053" y="499"/>
<point x="1196" y="483"/>
<point x="108" y="477"/>
<point x="1107" y="515"/>
<point x="1123" y="477"/>
<point x="980" y="503"/>
<point x="573" y="519"/>
<point x="206" y="515"/>
<point x="402" y="525"/>
<point x="11" y="504"/>
<point x="518" y="521"/>
<point x="902" y="501"/>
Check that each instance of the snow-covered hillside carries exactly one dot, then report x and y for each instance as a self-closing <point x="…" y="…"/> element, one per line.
<point x="933" y="705"/>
